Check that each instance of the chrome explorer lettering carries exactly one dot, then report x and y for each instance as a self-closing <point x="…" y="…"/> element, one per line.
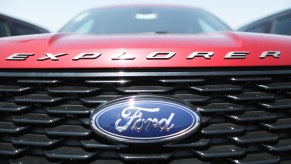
<point x="151" y="56"/>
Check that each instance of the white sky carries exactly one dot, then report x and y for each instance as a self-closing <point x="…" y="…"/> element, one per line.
<point x="53" y="14"/>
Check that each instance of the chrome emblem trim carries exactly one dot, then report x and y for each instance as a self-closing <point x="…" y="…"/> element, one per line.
<point x="145" y="119"/>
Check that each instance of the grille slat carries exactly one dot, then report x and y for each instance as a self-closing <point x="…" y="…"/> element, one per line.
<point x="107" y="81"/>
<point x="192" y="97"/>
<point x="68" y="130"/>
<point x="72" y="89"/>
<point x="198" y="80"/>
<point x="69" y="153"/>
<point x="274" y="86"/>
<point x="217" y="88"/>
<point x="254" y="116"/>
<point x="260" y="158"/>
<point x="135" y="157"/>
<point x="13" y="88"/>
<point x="11" y="107"/>
<point x="251" y="96"/>
<point x="189" y="161"/>
<point x="38" y="81"/>
<point x="69" y="109"/>
<point x="278" y="104"/>
<point x="99" y="99"/>
<point x="37" y="98"/>
<point x="222" y="151"/>
<point x="224" y="128"/>
<point x="33" y="139"/>
<point x="145" y="89"/>
<point x="245" y="116"/>
<point x="35" y="119"/>
<point x="255" y="137"/>
<point x="248" y="79"/>
<point x="200" y="143"/>
<point x="279" y="125"/>
<point x="282" y="145"/>
<point x="9" y="149"/>
<point x="9" y="127"/>
<point x="221" y="107"/>
<point x="32" y="160"/>
<point x="94" y="144"/>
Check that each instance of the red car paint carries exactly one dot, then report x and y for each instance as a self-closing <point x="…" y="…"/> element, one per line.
<point x="140" y="46"/>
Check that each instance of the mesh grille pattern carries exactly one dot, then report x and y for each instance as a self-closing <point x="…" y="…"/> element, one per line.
<point x="245" y="118"/>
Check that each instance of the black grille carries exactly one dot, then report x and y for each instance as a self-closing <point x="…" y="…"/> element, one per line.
<point x="246" y="116"/>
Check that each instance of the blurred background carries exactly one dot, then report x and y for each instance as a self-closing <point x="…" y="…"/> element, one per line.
<point x="54" y="14"/>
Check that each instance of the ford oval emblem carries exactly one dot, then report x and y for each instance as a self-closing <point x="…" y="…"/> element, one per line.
<point x="145" y="119"/>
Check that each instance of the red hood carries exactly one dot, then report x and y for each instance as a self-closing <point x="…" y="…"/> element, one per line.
<point x="141" y="46"/>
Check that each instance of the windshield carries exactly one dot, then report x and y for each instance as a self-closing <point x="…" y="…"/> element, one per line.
<point x="125" y="20"/>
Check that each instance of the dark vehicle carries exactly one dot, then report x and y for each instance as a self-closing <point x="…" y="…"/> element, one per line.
<point x="11" y="27"/>
<point x="145" y="19"/>
<point x="279" y="23"/>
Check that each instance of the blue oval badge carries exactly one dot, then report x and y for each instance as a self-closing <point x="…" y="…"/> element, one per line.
<point x="144" y="119"/>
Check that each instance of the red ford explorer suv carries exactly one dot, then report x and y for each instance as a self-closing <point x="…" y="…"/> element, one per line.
<point x="145" y="84"/>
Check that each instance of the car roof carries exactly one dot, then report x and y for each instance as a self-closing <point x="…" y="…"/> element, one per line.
<point x="266" y="18"/>
<point x="148" y="5"/>
<point x="15" y="20"/>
